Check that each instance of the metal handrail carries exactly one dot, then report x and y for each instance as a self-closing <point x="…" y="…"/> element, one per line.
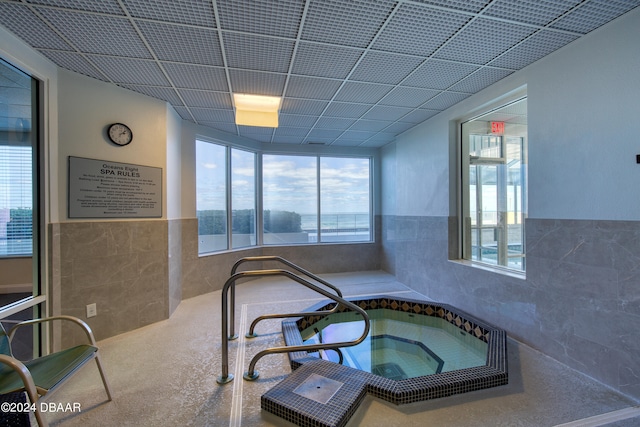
<point x="251" y="373"/>
<point x="232" y="314"/>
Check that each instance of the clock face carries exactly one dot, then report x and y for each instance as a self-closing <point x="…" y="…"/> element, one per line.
<point x="120" y="134"/>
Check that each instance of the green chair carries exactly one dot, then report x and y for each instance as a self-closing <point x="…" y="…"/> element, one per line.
<point x="40" y="376"/>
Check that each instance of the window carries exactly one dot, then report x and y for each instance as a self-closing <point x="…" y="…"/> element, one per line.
<point x="243" y="198"/>
<point x="225" y="182"/>
<point x="345" y="199"/>
<point x="211" y="196"/>
<point x="305" y="199"/>
<point x="16" y="163"/>
<point x="310" y="199"/>
<point x="494" y="187"/>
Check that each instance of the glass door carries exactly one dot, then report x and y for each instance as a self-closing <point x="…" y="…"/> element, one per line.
<point x="20" y="221"/>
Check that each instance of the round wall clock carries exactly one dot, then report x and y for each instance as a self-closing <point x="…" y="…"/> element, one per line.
<point x="120" y="134"/>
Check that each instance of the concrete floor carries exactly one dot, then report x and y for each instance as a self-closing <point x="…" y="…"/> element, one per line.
<point x="165" y="374"/>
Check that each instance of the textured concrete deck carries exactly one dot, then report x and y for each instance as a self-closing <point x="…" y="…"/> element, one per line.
<point x="165" y="374"/>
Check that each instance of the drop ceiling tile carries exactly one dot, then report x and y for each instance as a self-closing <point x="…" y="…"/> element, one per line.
<point x="184" y="113"/>
<point x="74" y="62"/>
<point x="366" y="93"/>
<point x="419" y="115"/>
<point x="445" y="100"/>
<point x="533" y="48"/>
<point x="380" y="112"/>
<point x="110" y="7"/>
<point x="435" y="74"/>
<point x="192" y="12"/>
<point x="287" y="139"/>
<point x="356" y="135"/>
<point x="130" y="71"/>
<point x="535" y="12"/>
<point x="383" y="67"/>
<point x="376" y="143"/>
<point x="315" y="134"/>
<point x="482" y="78"/>
<point x="419" y="30"/>
<point x="101" y="34"/>
<point x="312" y="87"/>
<point x="296" y="121"/>
<point x="408" y="96"/>
<point x="592" y="14"/>
<point x="198" y="98"/>
<point x="164" y="93"/>
<point x="399" y="127"/>
<point x="224" y="127"/>
<point x="191" y="76"/>
<point x="370" y="125"/>
<point x="261" y="134"/>
<point x="347" y="142"/>
<point x="302" y="106"/>
<point x="353" y="23"/>
<point x="213" y="115"/>
<point x="257" y="83"/>
<point x="482" y="40"/>
<point x="25" y="24"/>
<point x="275" y="18"/>
<point x="181" y="43"/>
<point x="257" y="52"/>
<point x="311" y="60"/>
<point x="461" y="5"/>
<point x="284" y="130"/>
<point x="346" y="109"/>
<point x="334" y="123"/>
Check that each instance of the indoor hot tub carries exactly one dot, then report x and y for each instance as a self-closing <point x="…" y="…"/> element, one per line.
<point x="415" y="351"/>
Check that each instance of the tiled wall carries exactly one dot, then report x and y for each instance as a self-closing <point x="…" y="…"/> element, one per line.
<point x="137" y="272"/>
<point x="121" y="266"/>
<point x="579" y="303"/>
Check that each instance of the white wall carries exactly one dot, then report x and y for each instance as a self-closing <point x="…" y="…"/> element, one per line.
<point x="584" y="105"/>
<point x="174" y="164"/>
<point x="584" y="127"/>
<point x="88" y="107"/>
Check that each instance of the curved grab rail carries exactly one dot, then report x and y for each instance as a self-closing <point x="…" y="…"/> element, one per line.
<point x="232" y="314"/>
<point x="251" y="374"/>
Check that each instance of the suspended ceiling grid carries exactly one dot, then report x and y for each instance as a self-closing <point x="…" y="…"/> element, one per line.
<point x="351" y="72"/>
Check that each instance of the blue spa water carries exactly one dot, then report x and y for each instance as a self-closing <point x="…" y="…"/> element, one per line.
<point x="400" y="345"/>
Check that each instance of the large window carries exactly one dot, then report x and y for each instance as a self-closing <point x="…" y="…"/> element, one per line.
<point x="310" y="199"/>
<point x="345" y="199"/>
<point x="304" y="199"/>
<point x="211" y="196"/>
<point x="494" y="187"/>
<point x="225" y="183"/>
<point x="290" y="199"/>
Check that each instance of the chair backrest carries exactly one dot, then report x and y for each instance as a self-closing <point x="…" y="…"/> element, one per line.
<point x="5" y="345"/>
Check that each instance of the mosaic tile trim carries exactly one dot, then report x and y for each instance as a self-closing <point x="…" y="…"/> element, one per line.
<point x="304" y="412"/>
<point x="451" y="314"/>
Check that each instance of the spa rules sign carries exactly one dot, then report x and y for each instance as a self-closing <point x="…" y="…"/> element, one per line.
<point x="104" y="189"/>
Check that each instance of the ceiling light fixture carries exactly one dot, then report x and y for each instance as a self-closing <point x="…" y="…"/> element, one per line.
<point x="256" y="110"/>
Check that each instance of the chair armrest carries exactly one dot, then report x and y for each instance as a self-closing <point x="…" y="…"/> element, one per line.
<point x="81" y="323"/>
<point x="24" y="373"/>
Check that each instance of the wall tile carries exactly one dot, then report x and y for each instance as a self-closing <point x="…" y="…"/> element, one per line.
<point x="579" y="303"/>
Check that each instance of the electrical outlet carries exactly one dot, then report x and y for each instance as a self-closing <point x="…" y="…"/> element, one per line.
<point x="92" y="311"/>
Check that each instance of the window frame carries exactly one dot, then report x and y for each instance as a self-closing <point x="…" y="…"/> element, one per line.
<point x="463" y="187"/>
<point x="259" y="194"/>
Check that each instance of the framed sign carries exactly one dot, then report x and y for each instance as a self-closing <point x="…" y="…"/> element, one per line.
<point x="105" y="189"/>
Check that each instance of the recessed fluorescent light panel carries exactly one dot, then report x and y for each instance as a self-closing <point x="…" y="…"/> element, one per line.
<point x="256" y="110"/>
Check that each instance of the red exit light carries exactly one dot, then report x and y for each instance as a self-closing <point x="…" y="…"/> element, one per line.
<point x="497" y="127"/>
